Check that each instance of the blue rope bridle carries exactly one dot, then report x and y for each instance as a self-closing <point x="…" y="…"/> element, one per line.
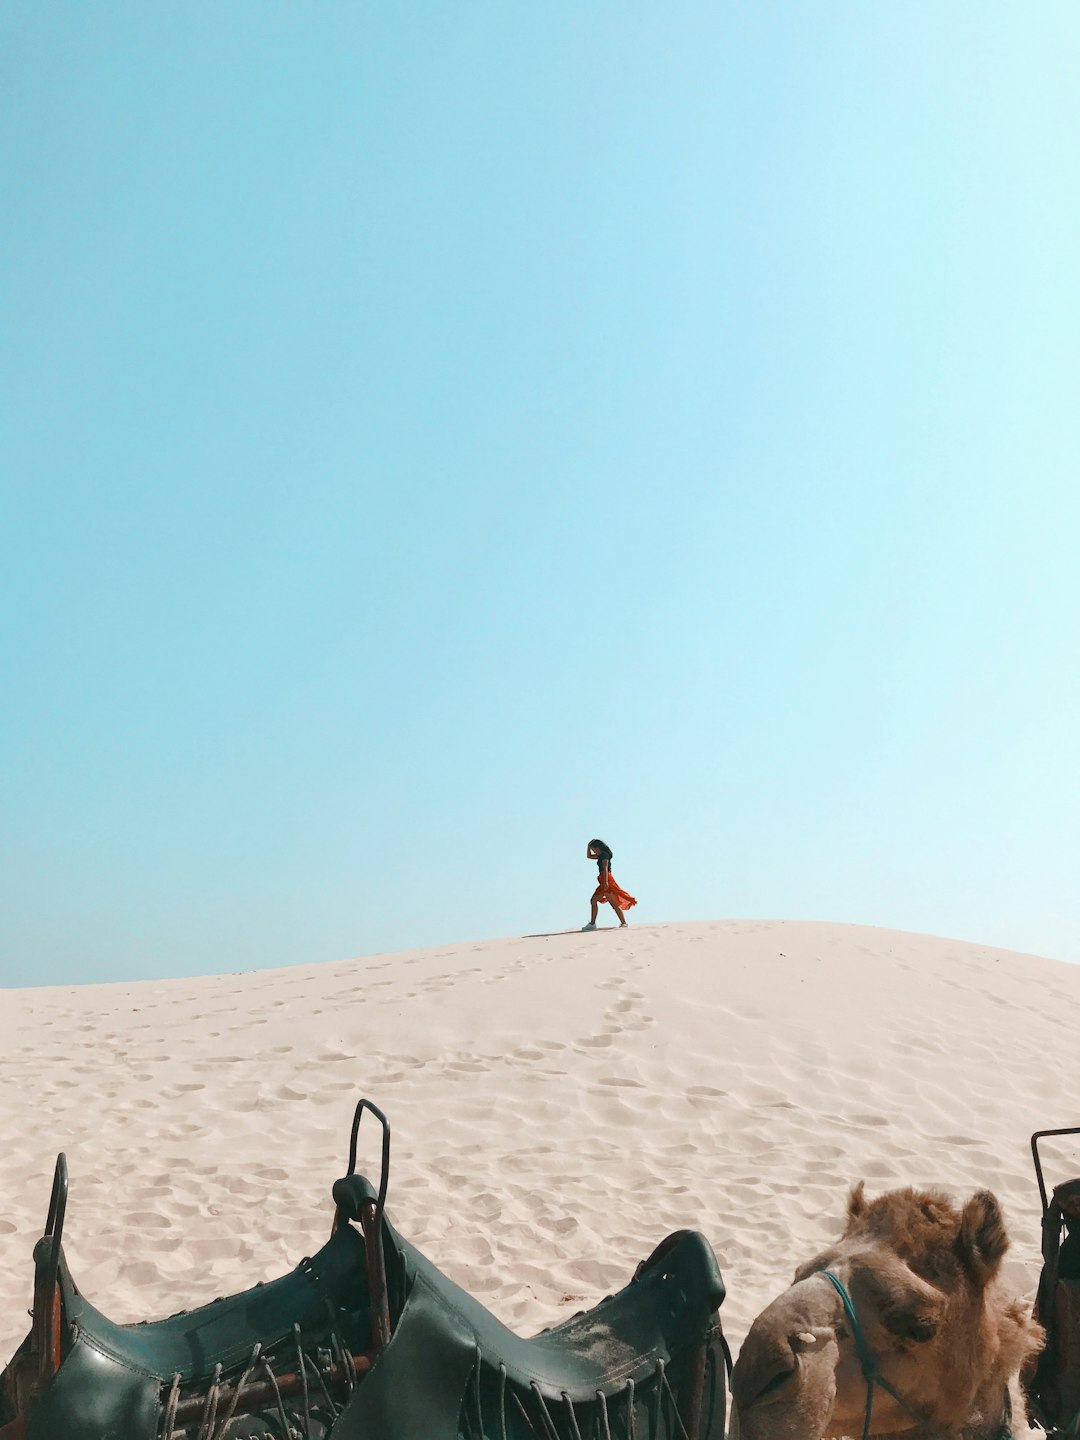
<point x="867" y="1362"/>
<point x="872" y="1374"/>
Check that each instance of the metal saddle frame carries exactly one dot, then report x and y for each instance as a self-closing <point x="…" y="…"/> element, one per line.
<point x="367" y="1340"/>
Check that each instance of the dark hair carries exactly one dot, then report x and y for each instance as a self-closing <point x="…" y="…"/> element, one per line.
<point x="605" y="850"/>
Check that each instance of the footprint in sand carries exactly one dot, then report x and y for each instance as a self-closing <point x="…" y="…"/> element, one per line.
<point x="146" y="1220"/>
<point x="879" y="1170"/>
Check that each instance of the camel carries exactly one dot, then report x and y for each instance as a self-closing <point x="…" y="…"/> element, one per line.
<point x="921" y="1278"/>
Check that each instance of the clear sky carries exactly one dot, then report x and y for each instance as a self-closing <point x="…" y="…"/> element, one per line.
<point x="432" y="435"/>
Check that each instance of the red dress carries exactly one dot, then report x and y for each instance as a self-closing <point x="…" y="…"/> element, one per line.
<point x="609" y="890"/>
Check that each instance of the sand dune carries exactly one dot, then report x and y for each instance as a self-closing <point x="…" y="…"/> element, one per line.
<point x="559" y="1104"/>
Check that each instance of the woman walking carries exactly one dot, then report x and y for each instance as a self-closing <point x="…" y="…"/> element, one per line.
<point x="606" y="892"/>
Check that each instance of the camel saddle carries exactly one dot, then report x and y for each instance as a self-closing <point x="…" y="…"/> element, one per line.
<point x="368" y="1340"/>
<point x="1054" y="1387"/>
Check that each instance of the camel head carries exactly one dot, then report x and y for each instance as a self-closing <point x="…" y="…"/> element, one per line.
<point x="922" y="1276"/>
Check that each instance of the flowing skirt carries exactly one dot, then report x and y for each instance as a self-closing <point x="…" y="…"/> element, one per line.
<point x="613" y="892"/>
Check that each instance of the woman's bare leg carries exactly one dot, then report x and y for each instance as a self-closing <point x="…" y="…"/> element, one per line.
<point x="592" y="916"/>
<point x="615" y="906"/>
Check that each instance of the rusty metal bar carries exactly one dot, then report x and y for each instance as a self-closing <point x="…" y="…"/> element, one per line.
<point x="45" y="1344"/>
<point x="375" y="1260"/>
<point x="261" y="1392"/>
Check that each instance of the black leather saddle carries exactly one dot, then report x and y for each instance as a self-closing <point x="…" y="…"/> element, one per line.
<point x="1052" y="1384"/>
<point x="367" y="1340"/>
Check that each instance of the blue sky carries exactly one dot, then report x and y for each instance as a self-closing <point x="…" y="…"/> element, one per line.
<point x="433" y="435"/>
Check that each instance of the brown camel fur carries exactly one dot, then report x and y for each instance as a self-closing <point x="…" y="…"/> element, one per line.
<point x="923" y="1279"/>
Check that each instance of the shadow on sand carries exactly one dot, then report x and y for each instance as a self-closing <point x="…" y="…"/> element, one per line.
<point x="577" y="930"/>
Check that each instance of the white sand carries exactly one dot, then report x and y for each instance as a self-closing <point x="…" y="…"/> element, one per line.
<point x="559" y="1104"/>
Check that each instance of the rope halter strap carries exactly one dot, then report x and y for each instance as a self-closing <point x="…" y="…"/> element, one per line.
<point x="868" y="1364"/>
<point x="871" y="1372"/>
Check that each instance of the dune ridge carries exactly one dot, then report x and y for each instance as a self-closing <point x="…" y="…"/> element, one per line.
<point x="559" y="1104"/>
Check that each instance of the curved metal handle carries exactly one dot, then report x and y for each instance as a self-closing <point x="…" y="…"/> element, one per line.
<point x="47" y="1305"/>
<point x="1039" y="1135"/>
<point x="54" y="1225"/>
<point x="49" y="1244"/>
<point x="384" y="1177"/>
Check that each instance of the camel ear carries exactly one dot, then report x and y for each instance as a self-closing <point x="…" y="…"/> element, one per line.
<point x="856" y="1203"/>
<point x="815" y="1266"/>
<point x="982" y="1240"/>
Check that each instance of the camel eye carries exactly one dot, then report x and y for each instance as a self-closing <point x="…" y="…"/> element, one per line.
<point x="775" y="1383"/>
<point x="909" y="1324"/>
<point x="772" y="1386"/>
